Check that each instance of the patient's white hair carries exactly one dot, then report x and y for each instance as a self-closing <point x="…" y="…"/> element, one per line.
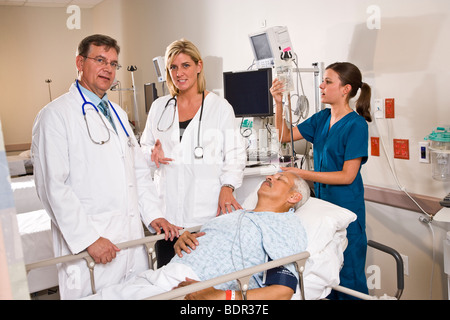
<point x="302" y="187"/>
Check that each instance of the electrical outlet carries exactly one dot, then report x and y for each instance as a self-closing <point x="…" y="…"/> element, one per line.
<point x="379" y="108"/>
<point x="424" y="153"/>
<point x="405" y="264"/>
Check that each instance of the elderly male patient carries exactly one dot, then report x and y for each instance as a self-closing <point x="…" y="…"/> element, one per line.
<point x="232" y="242"/>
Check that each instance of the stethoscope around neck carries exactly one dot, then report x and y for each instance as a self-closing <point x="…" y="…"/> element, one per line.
<point x="198" y="150"/>
<point x="83" y="107"/>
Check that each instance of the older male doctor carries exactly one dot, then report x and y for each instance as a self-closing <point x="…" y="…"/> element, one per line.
<point x="92" y="178"/>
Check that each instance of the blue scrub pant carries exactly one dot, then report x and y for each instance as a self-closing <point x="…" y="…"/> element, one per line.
<point x="353" y="274"/>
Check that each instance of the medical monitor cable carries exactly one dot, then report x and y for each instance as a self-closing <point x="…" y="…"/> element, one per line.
<point x="238" y="235"/>
<point x="402" y="188"/>
<point x="302" y="108"/>
<point x="428" y="219"/>
<point x="251" y="66"/>
<point x="433" y="257"/>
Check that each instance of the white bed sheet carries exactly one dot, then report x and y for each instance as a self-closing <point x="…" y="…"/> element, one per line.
<point x="35" y="232"/>
<point x="37" y="244"/>
<point x="25" y="195"/>
<point x="20" y="164"/>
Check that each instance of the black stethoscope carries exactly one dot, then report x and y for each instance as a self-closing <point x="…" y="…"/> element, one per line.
<point x="198" y="150"/>
<point x="130" y="143"/>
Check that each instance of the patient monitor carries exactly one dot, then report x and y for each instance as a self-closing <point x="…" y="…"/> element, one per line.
<point x="160" y="68"/>
<point x="271" y="46"/>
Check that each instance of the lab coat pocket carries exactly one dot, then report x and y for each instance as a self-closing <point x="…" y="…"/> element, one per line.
<point x="112" y="225"/>
<point x="206" y="195"/>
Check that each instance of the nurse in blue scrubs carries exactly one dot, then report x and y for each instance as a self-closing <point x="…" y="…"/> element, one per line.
<point x="340" y="139"/>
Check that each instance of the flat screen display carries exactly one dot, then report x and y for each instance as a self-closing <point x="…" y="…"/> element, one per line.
<point x="248" y="92"/>
<point x="151" y="95"/>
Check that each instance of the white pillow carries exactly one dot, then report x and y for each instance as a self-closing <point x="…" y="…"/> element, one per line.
<point x="321" y="220"/>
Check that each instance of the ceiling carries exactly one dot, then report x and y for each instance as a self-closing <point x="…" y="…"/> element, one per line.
<point x="50" y="3"/>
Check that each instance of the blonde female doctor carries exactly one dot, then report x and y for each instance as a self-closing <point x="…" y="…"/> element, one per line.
<point x="192" y="137"/>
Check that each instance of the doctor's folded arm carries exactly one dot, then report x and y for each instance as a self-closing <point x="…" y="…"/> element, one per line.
<point x="92" y="178"/>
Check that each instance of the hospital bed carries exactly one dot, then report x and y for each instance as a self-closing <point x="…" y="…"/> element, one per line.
<point x="34" y="227"/>
<point x="318" y="266"/>
<point x="20" y="164"/>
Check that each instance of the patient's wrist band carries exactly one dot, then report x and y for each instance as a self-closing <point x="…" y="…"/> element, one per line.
<point x="230" y="295"/>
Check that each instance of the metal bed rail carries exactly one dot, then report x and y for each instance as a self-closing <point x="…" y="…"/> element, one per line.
<point x="400" y="273"/>
<point x="84" y="254"/>
<point x="398" y="261"/>
<point x="148" y="241"/>
<point x="354" y="293"/>
<point x="242" y="276"/>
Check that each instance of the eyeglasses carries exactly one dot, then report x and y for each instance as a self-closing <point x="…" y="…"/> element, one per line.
<point x="103" y="62"/>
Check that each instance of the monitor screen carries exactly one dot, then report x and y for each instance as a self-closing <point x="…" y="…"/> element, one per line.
<point x="248" y="92"/>
<point x="158" y="63"/>
<point x="261" y="46"/>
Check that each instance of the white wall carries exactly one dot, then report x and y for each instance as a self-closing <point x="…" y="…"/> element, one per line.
<point x="35" y="45"/>
<point x="405" y="59"/>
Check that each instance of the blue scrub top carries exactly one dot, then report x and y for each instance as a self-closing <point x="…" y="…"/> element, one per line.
<point x="346" y="140"/>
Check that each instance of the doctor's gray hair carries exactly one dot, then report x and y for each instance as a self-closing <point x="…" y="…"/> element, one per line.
<point x="99" y="40"/>
<point x="302" y="187"/>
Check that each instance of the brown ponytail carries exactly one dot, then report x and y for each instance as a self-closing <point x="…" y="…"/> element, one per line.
<point x="350" y="74"/>
<point x="363" y="102"/>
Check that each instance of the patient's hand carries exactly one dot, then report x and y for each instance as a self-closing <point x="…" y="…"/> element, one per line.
<point x="206" y="294"/>
<point x="186" y="242"/>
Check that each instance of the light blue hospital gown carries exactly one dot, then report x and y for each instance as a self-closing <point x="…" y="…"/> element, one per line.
<point x="243" y="239"/>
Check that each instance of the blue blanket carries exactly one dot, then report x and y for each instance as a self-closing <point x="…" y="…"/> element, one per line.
<point x="244" y="239"/>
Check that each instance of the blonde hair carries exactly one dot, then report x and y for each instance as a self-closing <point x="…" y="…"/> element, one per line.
<point x="188" y="48"/>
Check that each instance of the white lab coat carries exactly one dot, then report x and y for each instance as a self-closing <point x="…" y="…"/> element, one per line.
<point x="91" y="190"/>
<point x="190" y="187"/>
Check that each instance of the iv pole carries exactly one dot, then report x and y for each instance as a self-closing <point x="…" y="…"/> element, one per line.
<point x="291" y="129"/>
<point x="119" y="88"/>
<point x="317" y="69"/>
<point x="49" y="89"/>
<point x="136" y="112"/>
<point x="318" y="74"/>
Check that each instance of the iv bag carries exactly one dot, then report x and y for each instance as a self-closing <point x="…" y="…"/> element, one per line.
<point x="284" y="74"/>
